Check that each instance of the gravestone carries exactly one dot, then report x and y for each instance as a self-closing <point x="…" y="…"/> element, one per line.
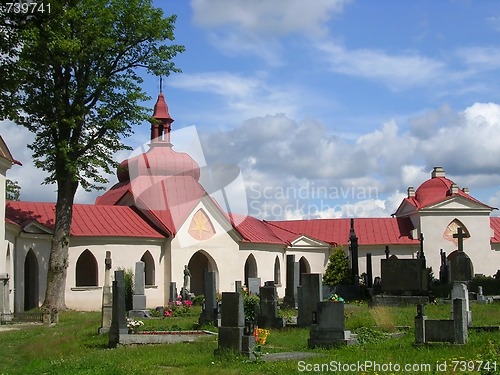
<point x="328" y="327"/>
<point x="369" y="271"/>
<point x="353" y="250"/>
<point x="231" y="332"/>
<point x="119" y="313"/>
<point x="443" y="269"/>
<point x="253" y="285"/>
<point x="209" y="312"/>
<point x="461" y="267"/>
<point x="268" y="317"/>
<point x="139" y="297"/>
<point x="309" y="294"/>
<point x="481" y="298"/>
<point x="404" y="276"/>
<point x="292" y="281"/>
<point x="173" y="292"/>
<point x="460" y="291"/>
<point x="107" y="296"/>
<point x="4" y="298"/>
<point x="238" y="287"/>
<point x="454" y="330"/>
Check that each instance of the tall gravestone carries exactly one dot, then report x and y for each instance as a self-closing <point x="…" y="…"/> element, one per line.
<point x="443" y="269"/>
<point x="461" y="268"/>
<point x="173" y="291"/>
<point x="209" y="312"/>
<point x="292" y="281"/>
<point x="139" y="297"/>
<point x="460" y="291"/>
<point x="4" y="298"/>
<point x="309" y="294"/>
<point x="369" y="271"/>
<point x="107" y="296"/>
<point x="231" y="332"/>
<point x="353" y="250"/>
<point x="268" y="316"/>
<point x="119" y="313"/>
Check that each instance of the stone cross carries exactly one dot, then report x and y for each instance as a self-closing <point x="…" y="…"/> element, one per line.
<point x="107" y="296"/>
<point x="422" y="255"/>
<point x="460" y="236"/>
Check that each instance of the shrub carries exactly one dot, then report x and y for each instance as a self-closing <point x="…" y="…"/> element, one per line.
<point x="337" y="270"/>
<point x="251" y="305"/>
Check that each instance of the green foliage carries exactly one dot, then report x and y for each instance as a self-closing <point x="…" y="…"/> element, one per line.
<point x="287" y="313"/>
<point x="13" y="190"/>
<point x="129" y="287"/>
<point x="337" y="270"/>
<point x="198" y="300"/>
<point x="251" y="305"/>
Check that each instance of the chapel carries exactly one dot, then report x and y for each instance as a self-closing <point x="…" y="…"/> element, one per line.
<point x="159" y="213"/>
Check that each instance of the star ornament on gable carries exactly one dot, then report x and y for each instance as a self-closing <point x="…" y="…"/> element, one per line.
<point x="201" y="227"/>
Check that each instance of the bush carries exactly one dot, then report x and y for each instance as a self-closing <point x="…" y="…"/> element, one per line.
<point x="251" y="306"/>
<point x="337" y="270"/>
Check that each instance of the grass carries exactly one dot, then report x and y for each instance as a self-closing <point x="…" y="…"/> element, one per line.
<point x="74" y="347"/>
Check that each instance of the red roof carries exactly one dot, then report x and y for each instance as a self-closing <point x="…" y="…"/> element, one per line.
<point x="88" y="220"/>
<point x="495" y="225"/>
<point x="370" y="231"/>
<point x="256" y="231"/>
<point x="436" y="190"/>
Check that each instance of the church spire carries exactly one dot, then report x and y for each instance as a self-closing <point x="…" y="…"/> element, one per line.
<point x="160" y="129"/>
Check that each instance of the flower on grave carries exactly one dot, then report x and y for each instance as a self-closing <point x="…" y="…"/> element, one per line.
<point x="335" y="298"/>
<point x="168" y="313"/>
<point x="261" y="335"/>
<point x="187" y="303"/>
<point x="133" y="325"/>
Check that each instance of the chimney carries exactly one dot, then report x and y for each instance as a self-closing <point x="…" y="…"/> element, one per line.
<point x="453" y="189"/>
<point x="411" y="192"/>
<point x="437" y="172"/>
<point x="466" y="190"/>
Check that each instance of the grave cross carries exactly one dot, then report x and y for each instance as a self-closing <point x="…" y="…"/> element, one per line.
<point x="460" y="235"/>
<point x="387" y="252"/>
<point x="422" y="255"/>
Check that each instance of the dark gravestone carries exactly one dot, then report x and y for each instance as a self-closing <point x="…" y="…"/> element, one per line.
<point x="107" y="296"/>
<point x="329" y="328"/>
<point x="461" y="268"/>
<point x="309" y="294"/>
<point x="209" y="312"/>
<point x="443" y="269"/>
<point x="268" y="317"/>
<point x="292" y="281"/>
<point x="353" y="250"/>
<point x="119" y="314"/>
<point x="404" y="276"/>
<point x="173" y="291"/>
<point x="369" y="271"/>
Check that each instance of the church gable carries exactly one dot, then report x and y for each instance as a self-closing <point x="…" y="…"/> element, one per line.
<point x="305" y="242"/>
<point x="458" y="203"/>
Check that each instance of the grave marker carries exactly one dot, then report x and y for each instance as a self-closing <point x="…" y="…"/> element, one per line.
<point x="309" y="294"/>
<point x="119" y="313"/>
<point x="328" y="329"/>
<point x="253" y="285"/>
<point x="268" y="317"/>
<point x="107" y="296"/>
<point x="139" y="297"/>
<point x="292" y="281"/>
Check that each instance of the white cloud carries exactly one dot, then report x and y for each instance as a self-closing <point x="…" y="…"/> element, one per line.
<point x="398" y="71"/>
<point x="267" y="17"/>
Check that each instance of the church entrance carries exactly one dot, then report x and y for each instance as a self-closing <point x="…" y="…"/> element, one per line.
<point x="198" y="264"/>
<point x="30" y="281"/>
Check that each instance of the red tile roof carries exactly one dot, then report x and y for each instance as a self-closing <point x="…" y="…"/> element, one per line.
<point x="495" y="225"/>
<point x="256" y="231"/>
<point x="370" y="231"/>
<point x="88" y="220"/>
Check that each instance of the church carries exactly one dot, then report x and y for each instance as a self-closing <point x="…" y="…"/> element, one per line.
<point x="160" y="214"/>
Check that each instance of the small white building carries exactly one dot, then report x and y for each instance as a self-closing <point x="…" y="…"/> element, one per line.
<point x="159" y="213"/>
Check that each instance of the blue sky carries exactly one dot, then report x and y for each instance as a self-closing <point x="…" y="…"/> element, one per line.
<point x="331" y="108"/>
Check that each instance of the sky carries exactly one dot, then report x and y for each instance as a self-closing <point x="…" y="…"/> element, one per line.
<point x="330" y="108"/>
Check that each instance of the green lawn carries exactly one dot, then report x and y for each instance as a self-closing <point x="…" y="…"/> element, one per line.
<point x="74" y="347"/>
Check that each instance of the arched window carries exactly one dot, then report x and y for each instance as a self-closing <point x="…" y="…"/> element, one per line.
<point x="304" y="267"/>
<point x="149" y="268"/>
<point x="250" y="268"/>
<point x="30" y="281"/>
<point x="277" y="271"/>
<point x="452" y="229"/>
<point x="86" y="269"/>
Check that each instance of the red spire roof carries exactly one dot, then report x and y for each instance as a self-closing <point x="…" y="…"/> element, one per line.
<point x="161" y="109"/>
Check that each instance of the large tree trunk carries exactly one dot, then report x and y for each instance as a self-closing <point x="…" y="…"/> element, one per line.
<point x="58" y="261"/>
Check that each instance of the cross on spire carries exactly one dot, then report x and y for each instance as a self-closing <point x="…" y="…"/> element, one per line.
<point x="460" y="235"/>
<point x="161" y="83"/>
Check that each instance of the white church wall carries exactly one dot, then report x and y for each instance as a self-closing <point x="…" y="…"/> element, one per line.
<point x="124" y="254"/>
<point x="477" y="247"/>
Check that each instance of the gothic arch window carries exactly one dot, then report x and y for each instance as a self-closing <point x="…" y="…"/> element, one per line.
<point x="31" y="276"/>
<point x="86" y="269"/>
<point x="277" y="271"/>
<point x="149" y="268"/>
<point x="451" y="229"/>
<point x="250" y="268"/>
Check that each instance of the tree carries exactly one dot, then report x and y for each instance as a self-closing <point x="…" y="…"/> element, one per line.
<point x="78" y="90"/>
<point x="13" y="190"/>
<point x="337" y="270"/>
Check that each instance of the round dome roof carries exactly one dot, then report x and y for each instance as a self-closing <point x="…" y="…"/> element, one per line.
<point x="158" y="161"/>
<point x="433" y="190"/>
